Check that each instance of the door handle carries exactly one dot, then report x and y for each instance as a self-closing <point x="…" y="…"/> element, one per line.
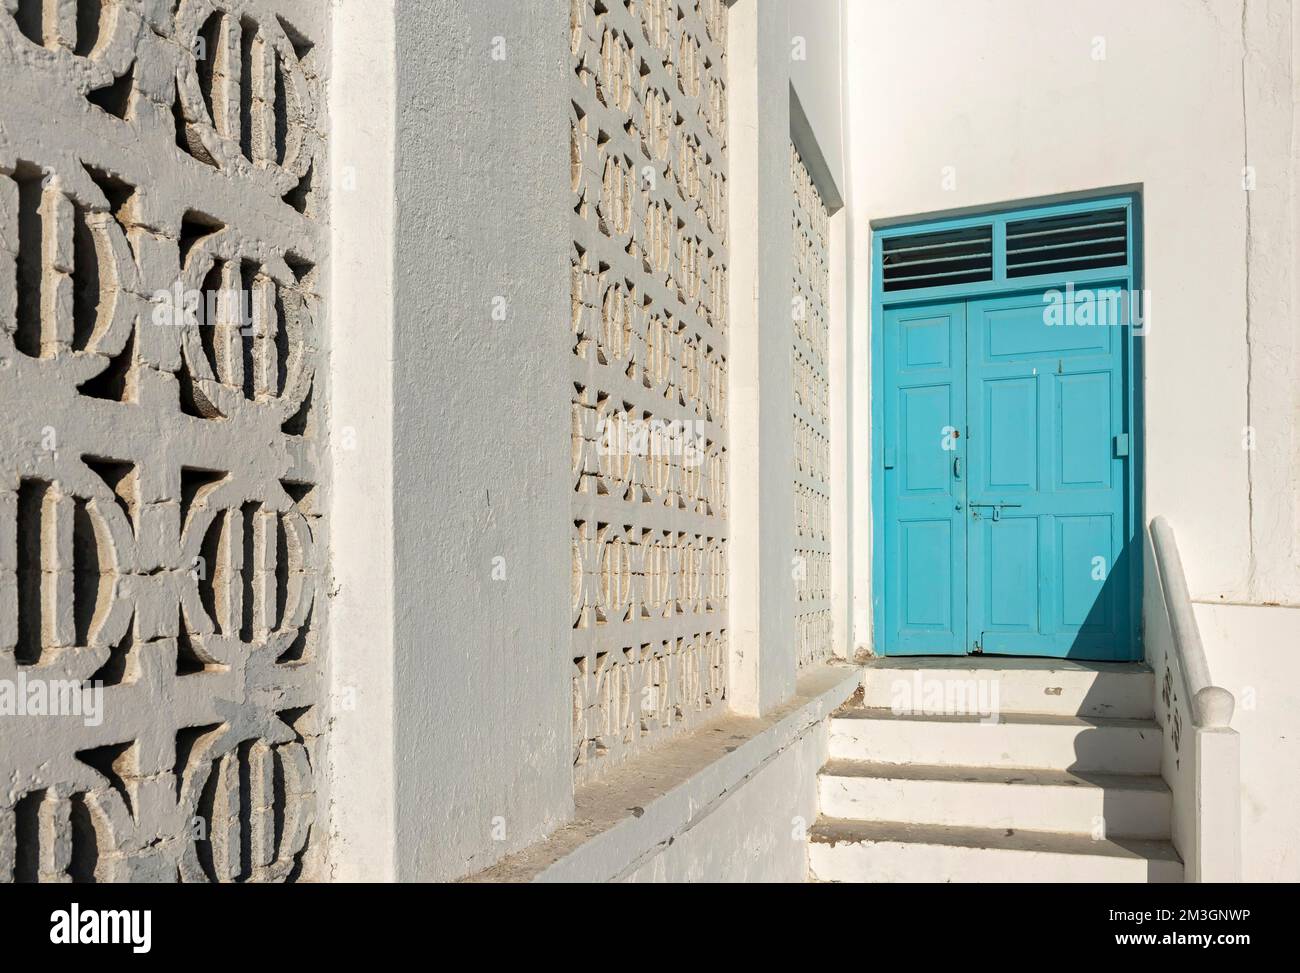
<point x="956" y="467"/>
<point x="997" y="508"/>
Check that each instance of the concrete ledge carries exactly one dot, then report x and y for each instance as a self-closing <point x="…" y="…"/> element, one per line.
<point x="624" y="819"/>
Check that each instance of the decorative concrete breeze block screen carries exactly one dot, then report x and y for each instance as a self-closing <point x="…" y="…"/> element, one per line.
<point x="812" y="502"/>
<point x="649" y="371"/>
<point x="160" y="529"/>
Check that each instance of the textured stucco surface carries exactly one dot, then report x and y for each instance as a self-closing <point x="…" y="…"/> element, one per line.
<point x="817" y="60"/>
<point x="361" y="658"/>
<point x="480" y="433"/>
<point x="460" y="236"/>
<point x="731" y="801"/>
<point x="757" y="833"/>
<point x="762" y="590"/>
<point x="1252" y="654"/>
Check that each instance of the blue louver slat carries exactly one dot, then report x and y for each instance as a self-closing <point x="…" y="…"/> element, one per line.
<point x="962" y="256"/>
<point x="1059" y="244"/>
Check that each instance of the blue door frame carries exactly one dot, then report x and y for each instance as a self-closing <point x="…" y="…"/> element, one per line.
<point x="944" y="311"/>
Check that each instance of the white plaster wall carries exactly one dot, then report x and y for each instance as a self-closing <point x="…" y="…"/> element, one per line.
<point x="458" y="751"/>
<point x="761" y="586"/>
<point x="461" y="728"/>
<point x="756" y="833"/>
<point x="841" y="434"/>
<point x="1253" y="654"/>
<point x="816" y="53"/>
<point x="360" y="659"/>
<point x="1008" y="94"/>
<point x="481" y="432"/>
<point x="763" y="69"/>
<point x="817" y="75"/>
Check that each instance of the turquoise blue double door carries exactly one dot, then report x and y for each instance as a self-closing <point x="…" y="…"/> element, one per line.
<point x="1006" y="501"/>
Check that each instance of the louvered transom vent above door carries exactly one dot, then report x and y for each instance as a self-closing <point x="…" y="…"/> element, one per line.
<point x="1073" y="242"/>
<point x="962" y="256"/>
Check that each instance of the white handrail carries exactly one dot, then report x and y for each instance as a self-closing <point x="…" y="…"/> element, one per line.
<point x="1210" y="705"/>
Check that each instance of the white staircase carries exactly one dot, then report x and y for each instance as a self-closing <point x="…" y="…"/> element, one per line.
<point x="1061" y="784"/>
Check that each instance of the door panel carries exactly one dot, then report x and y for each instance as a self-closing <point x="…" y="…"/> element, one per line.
<point x="1006" y="507"/>
<point x="1083" y="428"/>
<point x="1010" y="448"/>
<point x="1047" y="572"/>
<point x="925" y="531"/>
<point x="1012" y="568"/>
<point x="1085" y="602"/>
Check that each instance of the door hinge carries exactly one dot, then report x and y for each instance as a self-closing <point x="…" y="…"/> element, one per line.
<point x="1121" y="445"/>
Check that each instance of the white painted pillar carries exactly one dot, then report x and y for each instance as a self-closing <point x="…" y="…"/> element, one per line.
<point x="1217" y="756"/>
<point x="452" y="555"/>
<point x="762" y="590"/>
<point x="842" y="441"/>
<point x="359" y="790"/>
<point x="481" y="433"/>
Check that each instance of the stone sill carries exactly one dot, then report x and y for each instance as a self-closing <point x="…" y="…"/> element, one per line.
<point x="623" y="818"/>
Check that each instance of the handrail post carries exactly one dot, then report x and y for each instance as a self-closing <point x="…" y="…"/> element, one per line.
<point x="1187" y="635"/>
<point x="1210" y="802"/>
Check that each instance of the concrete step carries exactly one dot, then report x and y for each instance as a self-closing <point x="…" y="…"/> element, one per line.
<point x="970" y="685"/>
<point x="1082" y="802"/>
<point x="1044" y="742"/>
<point x="857" y="851"/>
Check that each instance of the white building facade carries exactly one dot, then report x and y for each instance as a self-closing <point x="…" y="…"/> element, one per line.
<point x="467" y="440"/>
